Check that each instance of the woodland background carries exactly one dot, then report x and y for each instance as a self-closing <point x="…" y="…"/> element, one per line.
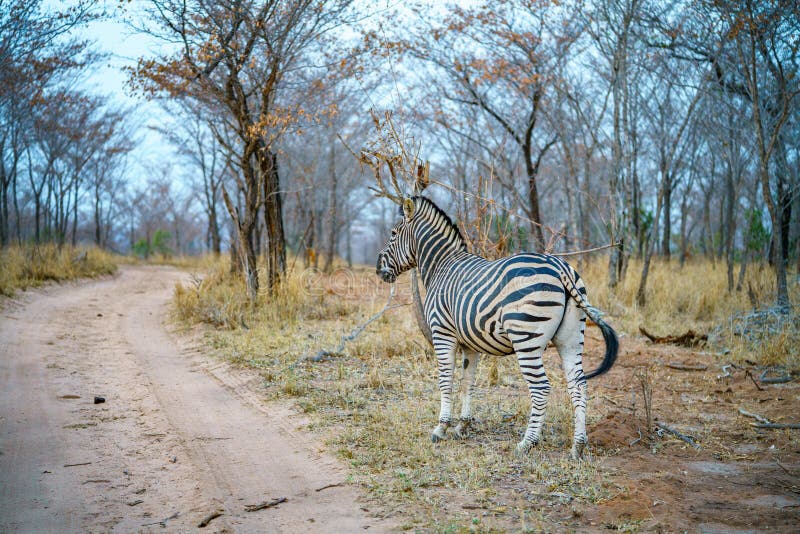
<point x="670" y="129"/>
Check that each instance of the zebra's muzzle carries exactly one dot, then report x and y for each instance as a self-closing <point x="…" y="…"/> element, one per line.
<point x="387" y="276"/>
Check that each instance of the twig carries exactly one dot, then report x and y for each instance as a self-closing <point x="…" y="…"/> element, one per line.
<point x="688" y="439"/>
<point x="213" y="515"/>
<point x="755" y="416"/>
<point x="726" y="371"/>
<point x="76" y="465"/>
<point x="163" y="522"/>
<point x="585" y="251"/>
<point x="777" y="426"/>
<point x="783" y="467"/>
<point x="763" y="422"/>
<point x="265" y="504"/>
<point x="687" y="367"/>
<point x="329" y="486"/>
<point x="776" y="380"/>
<point x="748" y="373"/>
<point x="643" y="375"/>
<point x="637" y="440"/>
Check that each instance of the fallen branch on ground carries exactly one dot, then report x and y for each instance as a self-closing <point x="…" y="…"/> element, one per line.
<point x="753" y="415"/>
<point x="326" y="486"/>
<point x="726" y="373"/>
<point x="265" y="504"/>
<point x="775" y="380"/>
<point x="689" y="339"/>
<point x="688" y="439"/>
<point x="321" y="355"/>
<point x="686" y="367"/>
<point x="213" y="515"/>
<point x="763" y="422"/>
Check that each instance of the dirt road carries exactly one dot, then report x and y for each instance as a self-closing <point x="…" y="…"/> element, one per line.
<point x="178" y="438"/>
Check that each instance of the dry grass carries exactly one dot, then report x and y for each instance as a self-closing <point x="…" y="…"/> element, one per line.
<point x="32" y="265"/>
<point x="678" y="298"/>
<point x="378" y="402"/>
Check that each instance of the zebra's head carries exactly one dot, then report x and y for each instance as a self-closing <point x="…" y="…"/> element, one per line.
<point x="398" y="255"/>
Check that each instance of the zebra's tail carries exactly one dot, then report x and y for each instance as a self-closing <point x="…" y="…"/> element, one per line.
<point x="609" y="335"/>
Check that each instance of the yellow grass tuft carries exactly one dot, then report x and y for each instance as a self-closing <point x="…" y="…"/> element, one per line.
<point x="27" y="266"/>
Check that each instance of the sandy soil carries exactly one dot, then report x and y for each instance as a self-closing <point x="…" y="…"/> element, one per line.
<point x="178" y="438"/>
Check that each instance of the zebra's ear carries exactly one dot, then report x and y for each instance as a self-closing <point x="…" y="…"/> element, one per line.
<point x="408" y="208"/>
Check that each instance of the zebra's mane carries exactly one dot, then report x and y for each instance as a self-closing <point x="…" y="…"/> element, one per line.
<point x="440" y="213"/>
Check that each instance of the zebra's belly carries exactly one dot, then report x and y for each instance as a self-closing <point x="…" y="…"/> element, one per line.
<point x="488" y="338"/>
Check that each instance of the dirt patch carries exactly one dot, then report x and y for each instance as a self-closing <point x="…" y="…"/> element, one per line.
<point x="740" y="479"/>
<point x="616" y="430"/>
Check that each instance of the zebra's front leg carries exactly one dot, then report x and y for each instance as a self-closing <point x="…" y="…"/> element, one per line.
<point x="445" y="348"/>
<point x="471" y="360"/>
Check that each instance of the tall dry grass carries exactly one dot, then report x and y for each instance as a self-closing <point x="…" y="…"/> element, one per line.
<point x="678" y="298"/>
<point x="27" y="266"/>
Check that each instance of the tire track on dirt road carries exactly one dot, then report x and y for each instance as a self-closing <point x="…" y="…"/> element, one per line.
<point x="177" y="435"/>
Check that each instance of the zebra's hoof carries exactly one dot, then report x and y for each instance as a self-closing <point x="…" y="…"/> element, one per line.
<point x="462" y="429"/>
<point x="577" y="450"/>
<point x="438" y="434"/>
<point x="522" y="449"/>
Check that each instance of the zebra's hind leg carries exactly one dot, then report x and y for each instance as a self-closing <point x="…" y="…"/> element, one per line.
<point x="445" y="348"/>
<point x="471" y="360"/>
<point x="529" y="348"/>
<point x="569" y="342"/>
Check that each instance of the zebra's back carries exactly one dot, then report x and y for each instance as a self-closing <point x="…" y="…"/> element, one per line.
<point x="481" y="301"/>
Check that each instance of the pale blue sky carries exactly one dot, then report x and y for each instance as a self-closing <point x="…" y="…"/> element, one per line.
<point x="124" y="47"/>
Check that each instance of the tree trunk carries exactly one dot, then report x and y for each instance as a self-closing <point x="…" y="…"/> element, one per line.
<point x="309" y="254"/>
<point x="245" y="224"/>
<point x="730" y="223"/>
<point x="273" y="216"/>
<point x="17" y="222"/>
<point x="349" y="244"/>
<point x="641" y="293"/>
<point x="4" y="183"/>
<point x="332" y="213"/>
<point x="213" y="224"/>
<point x="784" y="197"/>
<point x="75" y="217"/>
<point x="618" y="165"/>
<point x="684" y="235"/>
<point x="533" y="200"/>
<point x="97" y="218"/>
<point x="667" y="229"/>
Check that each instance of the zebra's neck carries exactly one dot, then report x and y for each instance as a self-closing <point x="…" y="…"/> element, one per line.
<point x="438" y="242"/>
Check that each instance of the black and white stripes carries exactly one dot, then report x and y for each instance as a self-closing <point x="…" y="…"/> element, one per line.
<point x="511" y="305"/>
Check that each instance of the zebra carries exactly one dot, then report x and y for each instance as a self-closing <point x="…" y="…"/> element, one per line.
<point x="511" y="305"/>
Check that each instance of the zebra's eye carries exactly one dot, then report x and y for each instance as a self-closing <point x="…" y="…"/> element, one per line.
<point x="394" y="232"/>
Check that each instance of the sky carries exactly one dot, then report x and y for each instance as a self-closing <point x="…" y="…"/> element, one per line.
<point x="124" y="47"/>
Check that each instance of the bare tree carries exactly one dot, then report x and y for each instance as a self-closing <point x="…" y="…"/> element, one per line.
<point x="762" y="35"/>
<point x="234" y="58"/>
